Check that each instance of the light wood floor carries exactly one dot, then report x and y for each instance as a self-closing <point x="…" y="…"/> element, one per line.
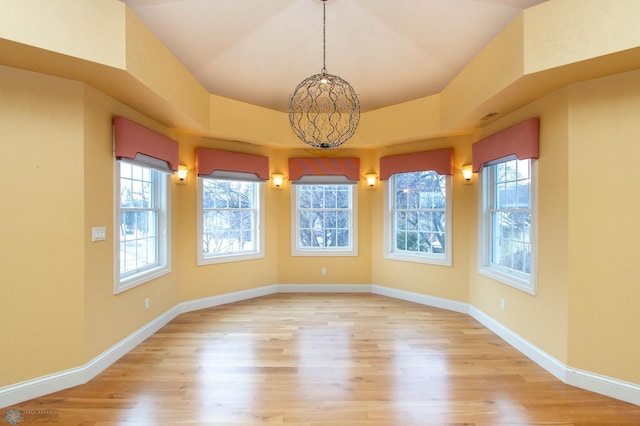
<point x="328" y="359"/>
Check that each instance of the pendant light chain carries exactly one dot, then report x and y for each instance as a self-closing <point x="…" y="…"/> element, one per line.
<point x="324" y="37"/>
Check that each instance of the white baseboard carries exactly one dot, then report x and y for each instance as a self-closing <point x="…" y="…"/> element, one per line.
<point x="592" y="382"/>
<point x="423" y="299"/>
<point x="324" y="288"/>
<point x="543" y="359"/>
<point x="44" y="385"/>
<point x="40" y="386"/>
<point x="236" y="296"/>
<point x="618" y="389"/>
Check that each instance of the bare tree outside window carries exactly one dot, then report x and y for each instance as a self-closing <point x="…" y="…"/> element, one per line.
<point x="510" y="215"/>
<point x="229" y="217"/>
<point x="419" y="212"/>
<point x="324" y="216"/>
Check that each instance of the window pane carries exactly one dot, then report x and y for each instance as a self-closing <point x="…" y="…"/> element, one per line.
<point x="317" y="199"/>
<point x="523" y="196"/>
<point x="139" y="243"/>
<point x="330" y="219"/>
<point x="412" y="220"/>
<point x="418" y="205"/>
<point x="324" y="216"/>
<point x="510" y="216"/>
<point x="401" y="221"/>
<point x="229" y="217"/>
<point x="344" y="197"/>
<point x="330" y="199"/>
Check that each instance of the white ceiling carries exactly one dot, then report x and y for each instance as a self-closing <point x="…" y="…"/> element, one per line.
<point x="390" y="51"/>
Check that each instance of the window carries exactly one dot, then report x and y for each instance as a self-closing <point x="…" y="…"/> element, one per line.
<point x="229" y="220"/>
<point x="324" y="223"/>
<point x="419" y="217"/>
<point x="508" y="229"/>
<point x="143" y="239"/>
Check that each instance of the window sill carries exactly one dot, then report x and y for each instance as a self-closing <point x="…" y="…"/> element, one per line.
<point x="140" y="278"/>
<point x="528" y="286"/>
<point x="324" y="252"/>
<point x="227" y="258"/>
<point x="429" y="260"/>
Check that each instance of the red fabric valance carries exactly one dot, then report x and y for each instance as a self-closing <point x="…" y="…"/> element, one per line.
<point x="131" y="139"/>
<point x="324" y="166"/>
<point x="520" y="140"/>
<point x="208" y="161"/>
<point x="439" y="160"/>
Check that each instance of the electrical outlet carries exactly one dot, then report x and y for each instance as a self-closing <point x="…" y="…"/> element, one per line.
<point x="146" y="304"/>
<point x="502" y="304"/>
<point x="324" y="271"/>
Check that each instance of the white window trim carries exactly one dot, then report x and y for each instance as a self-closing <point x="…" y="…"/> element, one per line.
<point x="426" y="258"/>
<point x="233" y="257"/>
<point x="164" y="235"/>
<point x="324" y="251"/>
<point x="524" y="282"/>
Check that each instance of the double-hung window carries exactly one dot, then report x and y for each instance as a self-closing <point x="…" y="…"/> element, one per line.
<point x="145" y="160"/>
<point x="324" y="222"/>
<point x="230" y="205"/>
<point x="418" y="206"/>
<point x="507" y="245"/>
<point x="229" y="220"/>
<point x="508" y="222"/>
<point x="324" y="206"/>
<point x="419" y="217"/>
<point x="143" y="240"/>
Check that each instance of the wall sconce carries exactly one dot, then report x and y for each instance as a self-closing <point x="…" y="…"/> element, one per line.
<point x="467" y="173"/>
<point x="183" y="171"/>
<point x="277" y="179"/>
<point x="371" y="179"/>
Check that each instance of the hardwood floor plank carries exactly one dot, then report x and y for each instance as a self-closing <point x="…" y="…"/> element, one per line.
<point x="328" y="359"/>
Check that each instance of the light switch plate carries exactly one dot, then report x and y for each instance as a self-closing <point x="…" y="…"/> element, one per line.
<point x="98" y="233"/>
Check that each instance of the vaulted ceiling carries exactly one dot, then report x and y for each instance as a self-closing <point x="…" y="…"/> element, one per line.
<point x="391" y="51"/>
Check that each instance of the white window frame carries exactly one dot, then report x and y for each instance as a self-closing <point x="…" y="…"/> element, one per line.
<point x="324" y="251"/>
<point x="390" y="238"/>
<point x="230" y="257"/>
<point x="516" y="279"/>
<point x="163" y="246"/>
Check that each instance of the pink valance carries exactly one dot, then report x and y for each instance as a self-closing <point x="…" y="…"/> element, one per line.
<point x="209" y="161"/>
<point x="520" y="140"/>
<point x="131" y="139"/>
<point x="439" y="160"/>
<point x="324" y="166"/>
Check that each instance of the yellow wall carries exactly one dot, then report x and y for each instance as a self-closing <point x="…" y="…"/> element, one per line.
<point x="542" y="318"/>
<point x="94" y="30"/>
<point x="562" y="32"/>
<point x="109" y="317"/>
<point x="604" y="135"/>
<point x="57" y="155"/>
<point x="42" y="232"/>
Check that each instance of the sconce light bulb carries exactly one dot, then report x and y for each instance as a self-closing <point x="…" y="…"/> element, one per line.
<point x="371" y="178"/>
<point x="467" y="172"/>
<point x="182" y="172"/>
<point x="277" y="179"/>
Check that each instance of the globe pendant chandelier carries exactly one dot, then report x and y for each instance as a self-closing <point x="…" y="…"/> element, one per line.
<point x="324" y="110"/>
